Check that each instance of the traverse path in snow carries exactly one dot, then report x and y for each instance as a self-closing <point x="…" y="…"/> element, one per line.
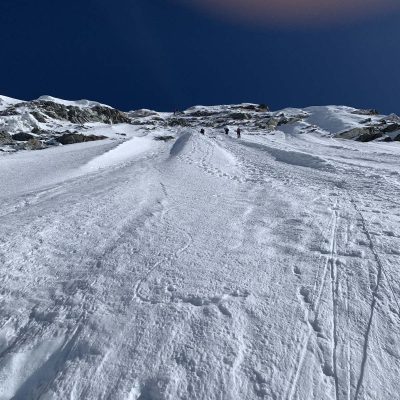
<point x="204" y="268"/>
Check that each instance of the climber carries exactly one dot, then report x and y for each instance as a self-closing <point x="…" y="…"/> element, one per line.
<point x="226" y="130"/>
<point x="238" y="132"/>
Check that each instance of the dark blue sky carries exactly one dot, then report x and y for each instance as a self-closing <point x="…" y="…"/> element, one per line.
<point x="156" y="54"/>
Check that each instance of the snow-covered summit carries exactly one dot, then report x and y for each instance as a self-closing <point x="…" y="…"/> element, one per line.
<point x="6" y="102"/>
<point x="48" y="121"/>
<point x="75" y="103"/>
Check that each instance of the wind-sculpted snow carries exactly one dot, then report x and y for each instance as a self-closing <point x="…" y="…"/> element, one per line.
<point x="179" y="144"/>
<point x="125" y="152"/>
<point x="201" y="267"/>
<point x="28" y="172"/>
<point x="293" y="157"/>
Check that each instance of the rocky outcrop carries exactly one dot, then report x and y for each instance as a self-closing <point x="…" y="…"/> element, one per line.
<point x="81" y="115"/>
<point x="110" y="115"/>
<point x="201" y="113"/>
<point x="22" y="136"/>
<point x="5" y="138"/>
<point x="249" y="115"/>
<point x="391" y="127"/>
<point x="178" y="122"/>
<point x="39" y="116"/>
<point x="165" y="138"/>
<point x="252" y="107"/>
<point x="368" y="111"/>
<point x="40" y="109"/>
<point x="34" y="144"/>
<point x="9" y="112"/>
<point x="46" y="122"/>
<point x="364" y="134"/>
<point x="238" y="116"/>
<point x="71" y="138"/>
<point x="384" y="129"/>
<point x="368" y="137"/>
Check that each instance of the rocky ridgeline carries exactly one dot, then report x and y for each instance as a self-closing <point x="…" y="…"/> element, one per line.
<point x="251" y="116"/>
<point x="257" y="119"/>
<point x="40" y="123"/>
<point x="43" y="110"/>
<point x="386" y="129"/>
<point x="48" y="122"/>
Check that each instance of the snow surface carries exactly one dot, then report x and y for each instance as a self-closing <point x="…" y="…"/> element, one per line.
<point x="77" y="103"/>
<point x="202" y="268"/>
<point x="335" y="119"/>
<point x="6" y="102"/>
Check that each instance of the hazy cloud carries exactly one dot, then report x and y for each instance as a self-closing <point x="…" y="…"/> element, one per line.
<point x="297" y="12"/>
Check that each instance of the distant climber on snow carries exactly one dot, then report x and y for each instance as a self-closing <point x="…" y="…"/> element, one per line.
<point x="226" y="130"/>
<point x="202" y="131"/>
<point x="238" y="132"/>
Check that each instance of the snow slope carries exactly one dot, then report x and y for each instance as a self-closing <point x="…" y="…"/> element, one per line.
<point x="201" y="268"/>
<point x="6" y="102"/>
<point x="76" y="103"/>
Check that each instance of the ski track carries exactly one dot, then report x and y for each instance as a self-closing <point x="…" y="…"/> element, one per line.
<point x="313" y="305"/>
<point x="209" y="268"/>
<point x="373" y="303"/>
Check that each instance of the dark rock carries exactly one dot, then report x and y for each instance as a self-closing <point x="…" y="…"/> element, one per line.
<point x="238" y="116"/>
<point x="164" y="138"/>
<point x="22" y="136"/>
<point x="393" y="127"/>
<point x="364" y="134"/>
<point x="397" y="138"/>
<point x="52" y="142"/>
<point x="71" y="138"/>
<point x="369" y="137"/>
<point x="366" y="121"/>
<point x="8" y="112"/>
<point x="201" y="113"/>
<point x="38" y="116"/>
<point x="34" y="144"/>
<point x="110" y="115"/>
<point x="5" y="138"/>
<point x="283" y="121"/>
<point x="75" y="114"/>
<point x="369" y="111"/>
<point x="50" y="109"/>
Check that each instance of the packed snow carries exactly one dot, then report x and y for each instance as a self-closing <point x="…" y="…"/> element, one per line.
<point x="202" y="267"/>
<point x="77" y="103"/>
